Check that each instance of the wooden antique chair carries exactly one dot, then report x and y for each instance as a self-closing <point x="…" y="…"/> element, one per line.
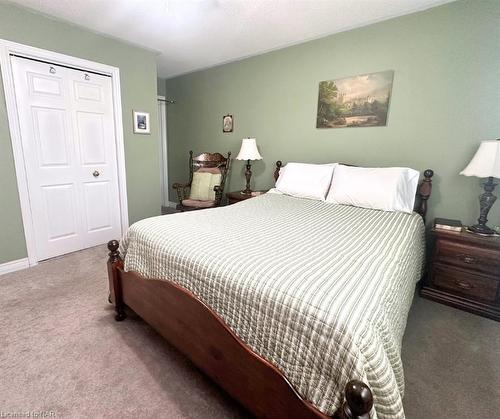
<point x="197" y="198"/>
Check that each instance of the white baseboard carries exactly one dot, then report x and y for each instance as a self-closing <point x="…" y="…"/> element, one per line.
<point x="15" y="265"/>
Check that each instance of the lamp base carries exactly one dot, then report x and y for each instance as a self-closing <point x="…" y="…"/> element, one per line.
<point x="482" y="230"/>
<point x="486" y="201"/>
<point x="248" y="176"/>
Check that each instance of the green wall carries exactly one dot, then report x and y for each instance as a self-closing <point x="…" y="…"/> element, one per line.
<point x="138" y="89"/>
<point x="446" y="98"/>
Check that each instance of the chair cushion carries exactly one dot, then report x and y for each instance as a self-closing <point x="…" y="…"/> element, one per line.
<point x="197" y="204"/>
<point x="202" y="186"/>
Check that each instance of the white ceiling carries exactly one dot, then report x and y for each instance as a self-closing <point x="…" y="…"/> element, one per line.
<point x="194" y="34"/>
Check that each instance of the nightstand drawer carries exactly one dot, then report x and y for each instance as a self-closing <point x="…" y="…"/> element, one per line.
<point x="478" y="259"/>
<point x="467" y="284"/>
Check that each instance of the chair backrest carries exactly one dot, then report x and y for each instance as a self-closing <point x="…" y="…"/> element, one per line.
<point x="209" y="162"/>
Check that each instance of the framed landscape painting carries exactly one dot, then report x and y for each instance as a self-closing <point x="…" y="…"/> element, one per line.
<point x="359" y="101"/>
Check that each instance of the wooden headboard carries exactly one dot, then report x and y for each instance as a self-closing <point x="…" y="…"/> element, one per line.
<point x="424" y="189"/>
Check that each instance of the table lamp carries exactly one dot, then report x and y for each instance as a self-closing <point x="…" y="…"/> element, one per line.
<point x="485" y="164"/>
<point x="248" y="151"/>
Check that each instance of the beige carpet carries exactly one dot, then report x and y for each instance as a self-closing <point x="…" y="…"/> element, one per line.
<point x="62" y="352"/>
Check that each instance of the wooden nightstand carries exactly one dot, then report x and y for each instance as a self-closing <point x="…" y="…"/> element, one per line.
<point x="234" y="197"/>
<point x="465" y="273"/>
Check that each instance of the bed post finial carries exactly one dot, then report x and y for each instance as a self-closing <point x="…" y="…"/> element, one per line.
<point x="115" y="286"/>
<point x="424" y="191"/>
<point x="114" y="253"/>
<point x="277" y="170"/>
<point x="358" y="401"/>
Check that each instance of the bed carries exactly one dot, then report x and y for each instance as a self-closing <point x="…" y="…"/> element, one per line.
<point x="296" y="307"/>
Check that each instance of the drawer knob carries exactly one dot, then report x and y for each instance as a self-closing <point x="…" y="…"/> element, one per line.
<point x="462" y="284"/>
<point x="467" y="259"/>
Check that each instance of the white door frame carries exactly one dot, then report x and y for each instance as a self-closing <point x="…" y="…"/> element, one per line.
<point x="162" y="114"/>
<point x="6" y="49"/>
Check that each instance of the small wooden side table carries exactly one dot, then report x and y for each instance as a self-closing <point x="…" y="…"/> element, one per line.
<point x="234" y="197"/>
<point x="465" y="273"/>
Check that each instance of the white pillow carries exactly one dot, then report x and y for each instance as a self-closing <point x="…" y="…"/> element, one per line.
<point x="387" y="188"/>
<point x="305" y="180"/>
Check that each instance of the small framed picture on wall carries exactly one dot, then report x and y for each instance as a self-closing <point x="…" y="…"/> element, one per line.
<point x="227" y="123"/>
<point x="141" y="123"/>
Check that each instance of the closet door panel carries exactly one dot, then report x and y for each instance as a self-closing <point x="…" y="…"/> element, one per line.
<point x="93" y="115"/>
<point x="67" y="129"/>
<point x="51" y="163"/>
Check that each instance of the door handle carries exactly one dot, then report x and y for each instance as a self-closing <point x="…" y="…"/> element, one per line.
<point x="467" y="259"/>
<point x="96" y="173"/>
<point x="463" y="284"/>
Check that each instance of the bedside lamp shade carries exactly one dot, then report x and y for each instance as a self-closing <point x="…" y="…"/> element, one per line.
<point x="486" y="161"/>
<point x="248" y="150"/>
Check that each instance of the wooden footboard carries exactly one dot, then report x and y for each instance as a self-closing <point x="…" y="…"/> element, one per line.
<point x="199" y="333"/>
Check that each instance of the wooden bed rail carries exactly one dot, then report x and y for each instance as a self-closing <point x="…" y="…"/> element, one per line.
<point x="115" y="264"/>
<point x="198" y="332"/>
<point x="424" y="189"/>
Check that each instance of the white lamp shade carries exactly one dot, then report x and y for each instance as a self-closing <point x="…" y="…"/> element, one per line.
<point x="486" y="161"/>
<point x="248" y="150"/>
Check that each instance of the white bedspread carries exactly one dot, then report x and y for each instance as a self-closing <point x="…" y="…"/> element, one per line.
<point x="320" y="290"/>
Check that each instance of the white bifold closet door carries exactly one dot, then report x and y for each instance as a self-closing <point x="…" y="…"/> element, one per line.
<point x="67" y="129"/>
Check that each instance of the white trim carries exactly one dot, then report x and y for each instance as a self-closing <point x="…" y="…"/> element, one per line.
<point x="13" y="266"/>
<point x="6" y="49"/>
<point x="162" y="120"/>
